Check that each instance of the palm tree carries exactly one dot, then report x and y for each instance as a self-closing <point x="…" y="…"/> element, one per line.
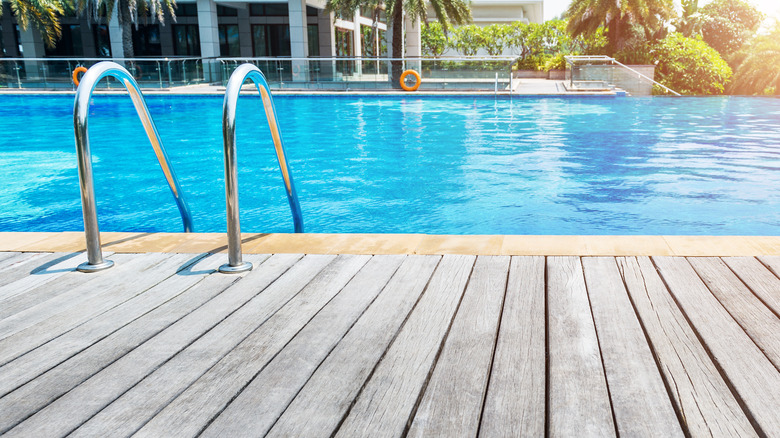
<point x="757" y="72"/>
<point x="448" y="12"/>
<point x="619" y="17"/>
<point x="127" y="14"/>
<point x="42" y="14"/>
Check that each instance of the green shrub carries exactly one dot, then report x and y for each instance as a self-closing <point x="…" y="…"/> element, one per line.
<point x="690" y="66"/>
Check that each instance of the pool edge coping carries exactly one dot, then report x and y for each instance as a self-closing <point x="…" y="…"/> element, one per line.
<point x="427" y="244"/>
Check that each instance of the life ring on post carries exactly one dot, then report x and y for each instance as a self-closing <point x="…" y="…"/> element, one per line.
<point x="417" y="80"/>
<point x="79" y="69"/>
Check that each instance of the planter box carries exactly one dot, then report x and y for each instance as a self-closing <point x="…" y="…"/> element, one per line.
<point x="558" y="75"/>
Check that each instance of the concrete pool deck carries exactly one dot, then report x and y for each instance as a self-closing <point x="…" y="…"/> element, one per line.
<point x="391" y="335"/>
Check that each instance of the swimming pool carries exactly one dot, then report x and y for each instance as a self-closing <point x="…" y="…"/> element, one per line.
<point x="407" y="164"/>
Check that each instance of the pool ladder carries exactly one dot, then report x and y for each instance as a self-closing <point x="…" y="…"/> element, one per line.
<point x="95" y="261"/>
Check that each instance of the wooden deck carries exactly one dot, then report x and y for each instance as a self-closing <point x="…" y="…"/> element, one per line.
<point x="390" y="345"/>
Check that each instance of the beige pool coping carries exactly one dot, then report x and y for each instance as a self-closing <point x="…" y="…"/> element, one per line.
<point x="309" y="243"/>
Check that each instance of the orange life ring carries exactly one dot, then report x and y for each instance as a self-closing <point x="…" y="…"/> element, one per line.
<point x="417" y="80"/>
<point x="79" y="69"/>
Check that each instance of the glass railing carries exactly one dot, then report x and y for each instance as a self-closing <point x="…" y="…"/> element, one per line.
<point x="315" y="73"/>
<point x="57" y="73"/>
<point x="466" y="73"/>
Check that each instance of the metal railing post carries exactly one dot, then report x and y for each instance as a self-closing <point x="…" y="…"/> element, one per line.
<point x="232" y="90"/>
<point x="87" y="85"/>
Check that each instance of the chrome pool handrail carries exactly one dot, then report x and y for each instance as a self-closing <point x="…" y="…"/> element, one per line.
<point x="87" y="85"/>
<point x="232" y="90"/>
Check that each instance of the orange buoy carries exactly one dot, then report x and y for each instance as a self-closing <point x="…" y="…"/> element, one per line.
<point x="76" y="72"/>
<point x="417" y="80"/>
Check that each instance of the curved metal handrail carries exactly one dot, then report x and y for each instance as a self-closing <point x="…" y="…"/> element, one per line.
<point x="87" y="85"/>
<point x="232" y="90"/>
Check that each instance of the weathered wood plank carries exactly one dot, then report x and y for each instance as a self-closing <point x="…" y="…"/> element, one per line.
<point x="61" y="322"/>
<point x="758" y="278"/>
<point x="27" y="291"/>
<point x="228" y="350"/>
<point x="386" y="403"/>
<point x="87" y="398"/>
<point x="96" y="284"/>
<point x="325" y="399"/>
<point x="772" y="262"/>
<point x="35" y="362"/>
<point x="639" y="399"/>
<point x="700" y="395"/>
<point x="189" y="413"/>
<point x="6" y="257"/>
<point x="578" y="397"/>
<point x="452" y="403"/>
<point x="24" y="265"/>
<point x="37" y="393"/>
<point x="755" y="317"/>
<point x="515" y="401"/>
<point x="729" y="345"/>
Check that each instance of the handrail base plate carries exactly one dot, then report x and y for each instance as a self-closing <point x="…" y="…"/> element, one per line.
<point x="243" y="267"/>
<point x="87" y="267"/>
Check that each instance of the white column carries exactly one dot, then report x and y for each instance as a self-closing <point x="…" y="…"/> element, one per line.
<point x="32" y="47"/>
<point x="299" y="38"/>
<point x="412" y="42"/>
<point x="327" y="37"/>
<point x="357" y="43"/>
<point x="208" y="28"/>
<point x="115" y="35"/>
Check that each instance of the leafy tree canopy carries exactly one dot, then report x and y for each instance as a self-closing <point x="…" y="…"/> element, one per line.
<point x="728" y="24"/>
<point x="690" y="66"/>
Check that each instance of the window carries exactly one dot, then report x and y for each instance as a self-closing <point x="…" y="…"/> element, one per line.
<point x="146" y="40"/>
<point x="186" y="10"/>
<point x="229" y="44"/>
<point x="223" y="11"/>
<point x="69" y="43"/>
<point x="186" y="41"/>
<point x="268" y="9"/>
<point x="271" y="40"/>
<point x="102" y="41"/>
<point x="343" y="42"/>
<point x="311" y="11"/>
<point x="314" y="40"/>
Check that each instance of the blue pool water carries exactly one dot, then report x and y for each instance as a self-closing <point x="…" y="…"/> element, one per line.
<point x="455" y="165"/>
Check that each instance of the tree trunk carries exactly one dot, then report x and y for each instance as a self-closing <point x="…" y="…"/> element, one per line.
<point x="613" y="35"/>
<point x="127" y="40"/>
<point x="398" y="44"/>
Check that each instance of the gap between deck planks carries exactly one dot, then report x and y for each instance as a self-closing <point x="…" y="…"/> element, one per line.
<point x="391" y="346"/>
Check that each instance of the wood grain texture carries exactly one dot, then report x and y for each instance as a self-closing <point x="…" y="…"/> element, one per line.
<point x="91" y="396"/>
<point x="699" y="393"/>
<point x="66" y="311"/>
<point x="325" y="399"/>
<point x="225" y="358"/>
<point x="20" y="294"/>
<point x="515" y="402"/>
<point x="758" y="321"/>
<point x="758" y="278"/>
<point x="452" y="403"/>
<point x="771" y="262"/>
<point x="278" y="380"/>
<point x="384" y="406"/>
<point x="23" y="264"/>
<point x="578" y="397"/>
<point x="41" y="359"/>
<point x="639" y="399"/>
<point x="729" y="345"/>
<point x="36" y="394"/>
